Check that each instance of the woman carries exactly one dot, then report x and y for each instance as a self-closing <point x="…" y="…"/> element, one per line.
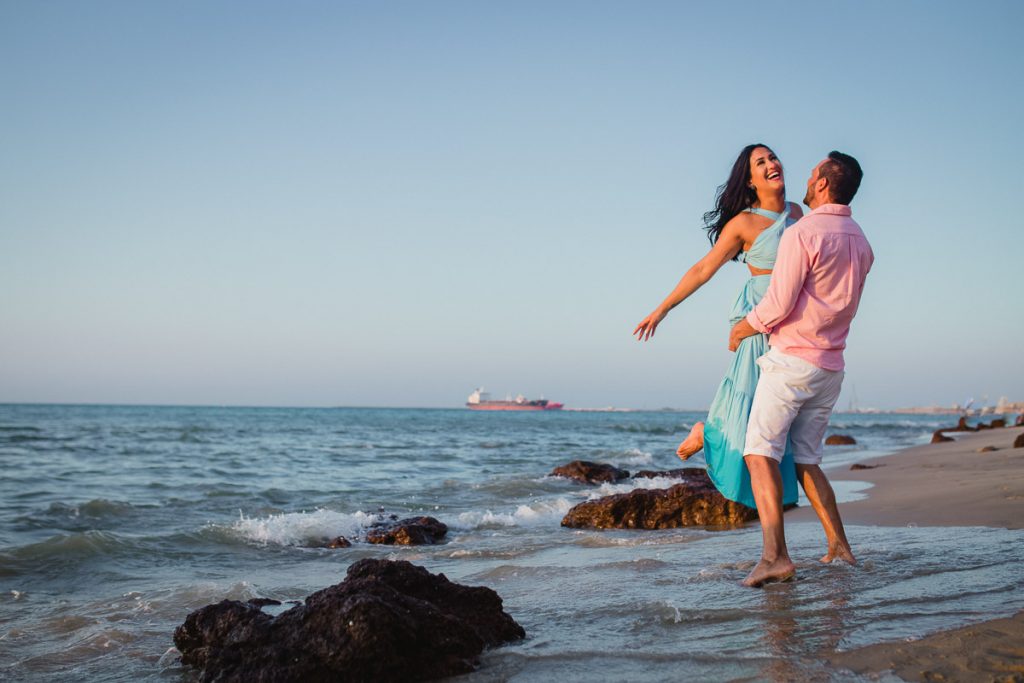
<point x="749" y="217"/>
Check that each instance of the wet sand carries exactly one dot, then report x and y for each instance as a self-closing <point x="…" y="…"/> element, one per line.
<point x="989" y="651"/>
<point x="947" y="484"/>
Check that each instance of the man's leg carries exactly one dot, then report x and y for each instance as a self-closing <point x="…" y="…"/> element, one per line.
<point x="823" y="500"/>
<point x="776" y="402"/>
<point x="766" y="482"/>
<point x="807" y="434"/>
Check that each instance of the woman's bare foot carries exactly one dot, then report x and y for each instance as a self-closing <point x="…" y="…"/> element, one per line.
<point x="770" y="572"/>
<point x="839" y="552"/>
<point x="693" y="442"/>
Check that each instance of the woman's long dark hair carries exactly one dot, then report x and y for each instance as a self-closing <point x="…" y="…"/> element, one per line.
<point x="734" y="196"/>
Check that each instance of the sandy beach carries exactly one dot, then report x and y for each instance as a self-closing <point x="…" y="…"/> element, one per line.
<point x="954" y="484"/>
<point x="945" y="484"/>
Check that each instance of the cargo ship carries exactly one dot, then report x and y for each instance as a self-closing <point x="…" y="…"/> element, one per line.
<point x="481" y="400"/>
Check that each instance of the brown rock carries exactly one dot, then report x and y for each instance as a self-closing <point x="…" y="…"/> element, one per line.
<point x="1019" y="441"/>
<point x="339" y="542"/>
<point x="387" y="621"/>
<point x="691" y="503"/>
<point x="840" y="440"/>
<point x="590" y="472"/>
<point x="939" y="437"/>
<point x="981" y="425"/>
<point x="987" y="449"/>
<point x="858" y="466"/>
<point x="961" y="426"/>
<point x="410" y="531"/>
<point x="997" y="424"/>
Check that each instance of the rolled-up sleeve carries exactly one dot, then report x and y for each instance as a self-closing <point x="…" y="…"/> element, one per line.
<point x="791" y="267"/>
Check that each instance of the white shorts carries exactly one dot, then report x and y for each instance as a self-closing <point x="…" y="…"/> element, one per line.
<point x="793" y="398"/>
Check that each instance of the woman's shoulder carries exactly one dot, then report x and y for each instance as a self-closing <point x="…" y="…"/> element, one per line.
<point x="742" y="224"/>
<point x="741" y="219"/>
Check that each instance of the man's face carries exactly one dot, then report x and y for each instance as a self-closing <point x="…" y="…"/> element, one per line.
<point x="809" y="197"/>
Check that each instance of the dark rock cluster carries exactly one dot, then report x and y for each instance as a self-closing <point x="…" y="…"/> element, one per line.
<point x="590" y="472"/>
<point x="394" y="531"/>
<point x="693" y="502"/>
<point x="840" y="440"/>
<point x="961" y="426"/>
<point x="387" y="621"/>
<point x="410" y="531"/>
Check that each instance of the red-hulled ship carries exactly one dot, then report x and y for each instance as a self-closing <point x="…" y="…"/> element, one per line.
<point x="481" y="400"/>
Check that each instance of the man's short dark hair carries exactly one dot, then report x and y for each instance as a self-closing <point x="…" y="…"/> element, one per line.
<point x="843" y="174"/>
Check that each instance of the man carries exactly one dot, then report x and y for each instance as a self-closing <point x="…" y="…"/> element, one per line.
<point x="815" y="289"/>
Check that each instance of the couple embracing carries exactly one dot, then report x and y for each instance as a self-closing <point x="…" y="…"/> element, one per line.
<point x="765" y="429"/>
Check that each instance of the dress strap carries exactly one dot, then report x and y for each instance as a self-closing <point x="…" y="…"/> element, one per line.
<point x="774" y="215"/>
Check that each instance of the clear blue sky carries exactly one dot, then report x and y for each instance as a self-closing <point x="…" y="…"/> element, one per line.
<point x="358" y="203"/>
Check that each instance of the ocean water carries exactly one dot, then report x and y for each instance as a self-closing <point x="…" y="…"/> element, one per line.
<point x="116" y="522"/>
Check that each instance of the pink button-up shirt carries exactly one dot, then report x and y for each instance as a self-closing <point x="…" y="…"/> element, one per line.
<point x="815" y="287"/>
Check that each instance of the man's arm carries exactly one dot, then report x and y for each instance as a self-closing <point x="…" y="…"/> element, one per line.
<point x="791" y="267"/>
<point x="740" y="331"/>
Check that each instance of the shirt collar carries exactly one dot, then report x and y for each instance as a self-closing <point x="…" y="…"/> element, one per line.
<point x="835" y="209"/>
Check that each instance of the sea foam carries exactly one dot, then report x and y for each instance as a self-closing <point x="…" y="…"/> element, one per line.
<point x="608" y="489"/>
<point x="536" y="514"/>
<point x="302" y="528"/>
<point x="635" y="456"/>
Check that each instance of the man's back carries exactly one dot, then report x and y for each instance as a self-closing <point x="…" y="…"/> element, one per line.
<point x="816" y="287"/>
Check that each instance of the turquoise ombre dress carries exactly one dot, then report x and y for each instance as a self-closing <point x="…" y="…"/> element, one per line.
<point x="725" y="429"/>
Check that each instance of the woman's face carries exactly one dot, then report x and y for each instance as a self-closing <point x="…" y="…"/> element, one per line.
<point x="766" y="171"/>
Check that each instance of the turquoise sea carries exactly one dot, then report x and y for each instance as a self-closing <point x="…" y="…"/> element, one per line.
<point x="116" y="522"/>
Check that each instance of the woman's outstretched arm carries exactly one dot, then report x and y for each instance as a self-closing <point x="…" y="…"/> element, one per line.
<point x="728" y="245"/>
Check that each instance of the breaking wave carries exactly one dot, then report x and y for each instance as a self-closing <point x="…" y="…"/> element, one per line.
<point x="537" y="514"/>
<point x="633" y="456"/>
<point x="301" y="528"/>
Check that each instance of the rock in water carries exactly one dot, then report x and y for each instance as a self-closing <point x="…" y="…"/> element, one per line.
<point x="590" y="472"/>
<point x="939" y="437"/>
<point x="387" y="621"/>
<point x="840" y="440"/>
<point x="339" y="542"/>
<point x="998" y="424"/>
<point x="694" y="502"/>
<point x="961" y="426"/>
<point x="410" y="531"/>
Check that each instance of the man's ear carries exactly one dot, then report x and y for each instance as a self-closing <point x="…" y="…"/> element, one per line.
<point x="822" y="185"/>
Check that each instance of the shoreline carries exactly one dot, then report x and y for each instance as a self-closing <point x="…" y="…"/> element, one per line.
<point x="941" y="484"/>
<point x="946" y="485"/>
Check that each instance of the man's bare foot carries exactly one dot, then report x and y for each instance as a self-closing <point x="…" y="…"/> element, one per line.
<point x="770" y="572"/>
<point x="840" y="552"/>
<point x="693" y="442"/>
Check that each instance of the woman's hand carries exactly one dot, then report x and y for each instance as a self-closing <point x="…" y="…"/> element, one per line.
<point x="645" y="330"/>
<point x="728" y="245"/>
